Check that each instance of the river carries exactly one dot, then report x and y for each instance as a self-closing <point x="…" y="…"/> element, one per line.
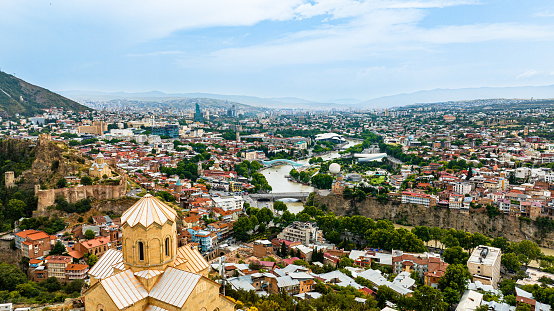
<point x="276" y="178"/>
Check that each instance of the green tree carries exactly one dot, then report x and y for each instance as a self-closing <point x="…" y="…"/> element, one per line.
<point x="529" y="251"/>
<point x="279" y="206"/>
<point x="62" y="183"/>
<point x="58" y="249"/>
<point x="52" y="284"/>
<point x="423" y="233"/>
<point x="15" y="209"/>
<point x="428" y="298"/>
<point x="89" y="234"/>
<point x="86" y="180"/>
<point x="455" y="255"/>
<point x="451" y="296"/>
<point x="322" y="181"/>
<point x="10" y="277"/>
<point x="456" y="277"/>
<point x="511" y="262"/>
<point x="92" y="259"/>
<point x="241" y="227"/>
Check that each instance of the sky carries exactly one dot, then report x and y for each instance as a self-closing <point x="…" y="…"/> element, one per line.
<point x="320" y="50"/>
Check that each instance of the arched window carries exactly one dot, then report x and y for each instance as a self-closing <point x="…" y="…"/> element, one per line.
<point x="167" y="246"/>
<point x="141" y="250"/>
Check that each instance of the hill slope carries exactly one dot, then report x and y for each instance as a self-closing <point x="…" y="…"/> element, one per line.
<point x="18" y="96"/>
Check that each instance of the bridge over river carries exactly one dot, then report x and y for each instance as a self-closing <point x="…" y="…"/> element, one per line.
<point x="302" y="196"/>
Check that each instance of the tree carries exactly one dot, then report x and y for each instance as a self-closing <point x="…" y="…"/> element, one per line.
<point x="436" y="234"/>
<point x="322" y="181"/>
<point x="92" y="259"/>
<point x="15" y="209"/>
<point x="62" y="183"/>
<point x="455" y="255"/>
<point x="511" y="262"/>
<point x="529" y="251"/>
<point x="456" y="277"/>
<point x="89" y="234"/>
<point x="241" y="227"/>
<point x="428" y="298"/>
<point x="279" y="206"/>
<point x="284" y="250"/>
<point x="10" y="277"/>
<point x="451" y="296"/>
<point x="86" y="180"/>
<point x="58" y="249"/>
<point x="52" y="284"/>
<point x="423" y="233"/>
<point x="345" y="262"/>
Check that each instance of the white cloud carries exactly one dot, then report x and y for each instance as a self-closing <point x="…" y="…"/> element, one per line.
<point x="528" y="74"/>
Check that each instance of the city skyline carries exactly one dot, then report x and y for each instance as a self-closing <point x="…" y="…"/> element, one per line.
<point x="318" y="50"/>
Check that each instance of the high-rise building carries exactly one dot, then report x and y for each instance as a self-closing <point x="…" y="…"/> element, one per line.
<point x="198" y="117"/>
<point x="484" y="265"/>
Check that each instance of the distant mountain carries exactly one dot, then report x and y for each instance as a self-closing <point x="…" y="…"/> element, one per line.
<point x="444" y="95"/>
<point x="18" y="96"/>
<point x="278" y="102"/>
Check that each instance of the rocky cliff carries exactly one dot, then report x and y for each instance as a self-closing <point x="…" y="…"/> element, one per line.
<point x="511" y="228"/>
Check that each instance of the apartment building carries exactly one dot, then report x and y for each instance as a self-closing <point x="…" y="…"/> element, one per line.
<point x="428" y="266"/>
<point x="484" y="265"/>
<point x="97" y="246"/>
<point x="456" y="201"/>
<point x="303" y="232"/>
<point x="76" y="272"/>
<point x="56" y="266"/>
<point x="419" y="199"/>
<point x="462" y="188"/>
<point x="34" y="243"/>
<point x="229" y="202"/>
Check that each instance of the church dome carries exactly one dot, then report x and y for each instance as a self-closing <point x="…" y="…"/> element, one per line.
<point x="147" y="211"/>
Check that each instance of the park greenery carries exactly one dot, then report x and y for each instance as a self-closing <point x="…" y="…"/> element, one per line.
<point x="15" y="288"/>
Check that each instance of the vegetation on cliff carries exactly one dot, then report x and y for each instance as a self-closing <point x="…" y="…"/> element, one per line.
<point x="18" y="96"/>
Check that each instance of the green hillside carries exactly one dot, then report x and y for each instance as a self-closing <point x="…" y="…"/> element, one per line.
<point x="18" y="96"/>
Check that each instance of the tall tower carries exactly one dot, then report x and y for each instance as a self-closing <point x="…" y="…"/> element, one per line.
<point x="198" y="114"/>
<point x="238" y="137"/>
<point x="150" y="234"/>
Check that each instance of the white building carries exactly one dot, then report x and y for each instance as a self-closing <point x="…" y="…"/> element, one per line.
<point x="228" y="203"/>
<point x="462" y="188"/>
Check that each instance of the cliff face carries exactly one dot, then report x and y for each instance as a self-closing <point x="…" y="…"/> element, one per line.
<point x="511" y="228"/>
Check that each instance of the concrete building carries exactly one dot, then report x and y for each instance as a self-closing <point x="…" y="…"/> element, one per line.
<point x="303" y="232"/>
<point x="462" y="188"/>
<point x="34" y="243"/>
<point x="484" y="265"/>
<point x="418" y="198"/>
<point x="97" y="128"/>
<point x="228" y="203"/>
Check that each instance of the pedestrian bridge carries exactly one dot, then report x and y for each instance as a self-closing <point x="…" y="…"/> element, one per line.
<point x="281" y="162"/>
<point x="302" y="196"/>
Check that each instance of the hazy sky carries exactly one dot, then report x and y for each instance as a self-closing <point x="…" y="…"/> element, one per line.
<point x="319" y="50"/>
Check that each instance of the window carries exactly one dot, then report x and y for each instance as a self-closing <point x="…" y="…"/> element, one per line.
<point x="167" y="246"/>
<point x="141" y="250"/>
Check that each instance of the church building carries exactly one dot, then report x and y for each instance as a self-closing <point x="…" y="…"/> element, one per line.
<point x="151" y="273"/>
<point x="100" y="168"/>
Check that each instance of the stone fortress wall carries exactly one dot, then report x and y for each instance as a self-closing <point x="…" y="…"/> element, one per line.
<point x="73" y="194"/>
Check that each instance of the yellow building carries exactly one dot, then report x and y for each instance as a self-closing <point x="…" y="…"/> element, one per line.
<point x="99" y="168"/>
<point x="97" y="128"/>
<point x="151" y="273"/>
